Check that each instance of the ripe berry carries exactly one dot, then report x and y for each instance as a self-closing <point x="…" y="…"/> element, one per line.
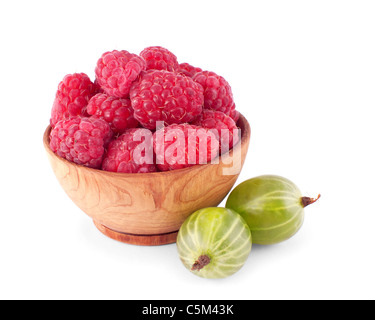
<point x="72" y="96"/>
<point x="183" y="145"/>
<point x="233" y="113"/>
<point x="272" y="206"/>
<point x="81" y="140"/>
<point x="223" y="125"/>
<point x="159" y="58"/>
<point x="116" y="111"/>
<point x="161" y="95"/>
<point x="116" y="70"/>
<point x="131" y="152"/>
<point x="188" y="70"/>
<point x="217" y="91"/>
<point x="214" y="242"/>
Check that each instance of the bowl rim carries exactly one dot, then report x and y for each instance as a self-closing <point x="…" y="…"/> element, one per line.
<point x="245" y="137"/>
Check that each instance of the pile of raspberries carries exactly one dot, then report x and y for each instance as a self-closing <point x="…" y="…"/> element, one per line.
<point x="143" y="113"/>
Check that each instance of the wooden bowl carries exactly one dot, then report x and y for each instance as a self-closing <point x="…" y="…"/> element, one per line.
<point x="148" y="208"/>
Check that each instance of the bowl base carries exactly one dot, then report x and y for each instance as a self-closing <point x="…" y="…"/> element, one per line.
<point x="141" y="240"/>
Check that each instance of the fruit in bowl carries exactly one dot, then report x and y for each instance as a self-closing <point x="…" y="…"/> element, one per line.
<point x="140" y="149"/>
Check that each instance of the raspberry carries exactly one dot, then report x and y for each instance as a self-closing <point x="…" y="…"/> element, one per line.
<point x="98" y="87"/>
<point x="224" y="125"/>
<point x="182" y="145"/>
<point x="188" y="70"/>
<point x="81" y="140"/>
<point x="159" y="58"/>
<point x="161" y="95"/>
<point x="116" y="111"/>
<point x="233" y="113"/>
<point x="72" y="96"/>
<point x="217" y="91"/>
<point x="116" y="70"/>
<point x="130" y="153"/>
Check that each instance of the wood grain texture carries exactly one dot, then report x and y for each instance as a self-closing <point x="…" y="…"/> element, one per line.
<point x="148" y="204"/>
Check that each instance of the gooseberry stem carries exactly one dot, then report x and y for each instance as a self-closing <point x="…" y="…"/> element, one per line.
<point x="202" y="261"/>
<point x="307" y="200"/>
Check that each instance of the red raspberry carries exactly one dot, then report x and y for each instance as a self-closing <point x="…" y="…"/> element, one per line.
<point x="234" y="114"/>
<point x="165" y="96"/>
<point x="81" y="140"/>
<point x="117" y="112"/>
<point x="223" y="125"/>
<point x="130" y="153"/>
<point x="178" y="146"/>
<point x="98" y="87"/>
<point x="72" y="96"/>
<point x="116" y="70"/>
<point x="188" y="70"/>
<point x="159" y="58"/>
<point x="217" y="91"/>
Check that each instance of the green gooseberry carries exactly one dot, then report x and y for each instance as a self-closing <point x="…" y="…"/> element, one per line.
<point x="214" y="242"/>
<point x="272" y="206"/>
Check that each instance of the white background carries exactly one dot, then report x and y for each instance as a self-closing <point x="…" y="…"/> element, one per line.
<point x="302" y="72"/>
